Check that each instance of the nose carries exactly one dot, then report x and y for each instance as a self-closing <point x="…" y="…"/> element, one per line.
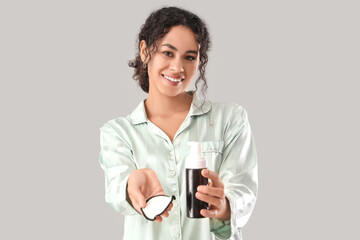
<point x="177" y="65"/>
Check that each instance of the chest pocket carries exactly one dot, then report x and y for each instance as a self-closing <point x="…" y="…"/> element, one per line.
<point x="212" y="151"/>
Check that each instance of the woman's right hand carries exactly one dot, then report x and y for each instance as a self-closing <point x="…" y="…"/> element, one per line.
<point x="143" y="184"/>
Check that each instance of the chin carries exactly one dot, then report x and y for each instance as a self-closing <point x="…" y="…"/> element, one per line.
<point x="172" y="93"/>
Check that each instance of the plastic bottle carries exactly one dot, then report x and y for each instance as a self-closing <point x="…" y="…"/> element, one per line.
<point x="195" y="162"/>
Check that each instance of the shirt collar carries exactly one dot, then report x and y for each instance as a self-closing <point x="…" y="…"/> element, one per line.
<point x="199" y="106"/>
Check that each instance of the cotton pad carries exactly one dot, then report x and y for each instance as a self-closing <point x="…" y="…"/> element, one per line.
<point x="156" y="205"/>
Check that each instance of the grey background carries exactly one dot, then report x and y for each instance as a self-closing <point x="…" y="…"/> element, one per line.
<point x="294" y="65"/>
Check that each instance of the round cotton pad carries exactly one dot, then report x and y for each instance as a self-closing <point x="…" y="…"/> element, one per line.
<point x="156" y="205"/>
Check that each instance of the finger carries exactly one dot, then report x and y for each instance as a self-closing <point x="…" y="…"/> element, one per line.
<point x="137" y="200"/>
<point x="165" y="214"/>
<point x="161" y="192"/>
<point x="209" y="213"/>
<point x="215" y="179"/>
<point x="140" y="200"/>
<point x="142" y="203"/>
<point x="215" y="201"/>
<point x="167" y="210"/>
<point x="212" y="191"/>
<point x="158" y="219"/>
<point x="170" y="207"/>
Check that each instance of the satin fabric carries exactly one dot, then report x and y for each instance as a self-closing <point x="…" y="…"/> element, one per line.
<point x="133" y="142"/>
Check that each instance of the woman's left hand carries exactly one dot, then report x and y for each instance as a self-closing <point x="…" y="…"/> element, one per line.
<point x="214" y="195"/>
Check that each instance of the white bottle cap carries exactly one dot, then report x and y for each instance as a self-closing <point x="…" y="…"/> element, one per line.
<point x="195" y="160"/>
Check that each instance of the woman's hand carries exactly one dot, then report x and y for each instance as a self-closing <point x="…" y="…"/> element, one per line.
<point x="213" y="194"/>
<point x="143" y="184"/>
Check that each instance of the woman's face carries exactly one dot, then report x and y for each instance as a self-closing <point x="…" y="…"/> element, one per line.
<point x="173" y="66"/>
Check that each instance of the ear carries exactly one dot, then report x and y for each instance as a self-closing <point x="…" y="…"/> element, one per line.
<point x="143" y="54"/>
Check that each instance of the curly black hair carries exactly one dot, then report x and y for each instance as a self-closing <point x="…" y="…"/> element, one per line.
<point x="156" y="26"/>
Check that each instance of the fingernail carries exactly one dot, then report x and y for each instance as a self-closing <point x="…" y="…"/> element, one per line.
<point x="199" y="188"/>
<point x="203" y="213"/>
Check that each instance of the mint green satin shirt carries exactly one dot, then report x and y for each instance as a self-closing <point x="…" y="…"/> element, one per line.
<point x="133" y="142"/>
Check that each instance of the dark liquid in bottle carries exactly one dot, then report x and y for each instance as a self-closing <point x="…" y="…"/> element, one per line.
<point x="194" y="205"/>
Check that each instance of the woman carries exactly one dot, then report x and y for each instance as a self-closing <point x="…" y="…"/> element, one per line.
<point x="143" y="154"/>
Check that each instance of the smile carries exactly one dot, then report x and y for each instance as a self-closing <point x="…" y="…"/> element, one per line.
<point x="173" y="79"/>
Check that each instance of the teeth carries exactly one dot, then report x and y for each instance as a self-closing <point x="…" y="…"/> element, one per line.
<point x="172" y="79"/>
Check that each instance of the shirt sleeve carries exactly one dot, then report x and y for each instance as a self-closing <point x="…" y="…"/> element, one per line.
<point x="239" y="174"/>
<point x="116" y="159"/>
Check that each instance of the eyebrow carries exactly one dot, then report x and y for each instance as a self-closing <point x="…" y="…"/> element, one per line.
<point x="174" y="48"/>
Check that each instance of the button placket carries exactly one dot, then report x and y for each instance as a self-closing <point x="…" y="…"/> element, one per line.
<point x="173" y="161"/>
<point x="173" y="180"/>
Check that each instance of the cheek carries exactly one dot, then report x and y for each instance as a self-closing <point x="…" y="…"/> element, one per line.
<point x="156" y="65"/>
<point x="191" y="70"/>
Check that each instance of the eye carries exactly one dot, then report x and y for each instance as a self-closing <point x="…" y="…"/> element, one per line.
<point x="167" y="53"/>
<point x="190" y="58"/>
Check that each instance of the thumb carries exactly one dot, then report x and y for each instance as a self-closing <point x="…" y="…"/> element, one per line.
<point x="139" y="200"/>
<point x="142" y="202"/>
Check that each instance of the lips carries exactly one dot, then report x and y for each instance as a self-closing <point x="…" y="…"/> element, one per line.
<point x="172" y="83"/>
<point x="174" y="78"/>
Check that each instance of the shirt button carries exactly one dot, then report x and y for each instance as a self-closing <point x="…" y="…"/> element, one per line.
<point x="173" y="173"/>
<point x="177" y="235"/>
<point x="176" y="204"/>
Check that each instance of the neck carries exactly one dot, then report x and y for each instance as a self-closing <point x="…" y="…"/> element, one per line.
<point x="161" y="105"/>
